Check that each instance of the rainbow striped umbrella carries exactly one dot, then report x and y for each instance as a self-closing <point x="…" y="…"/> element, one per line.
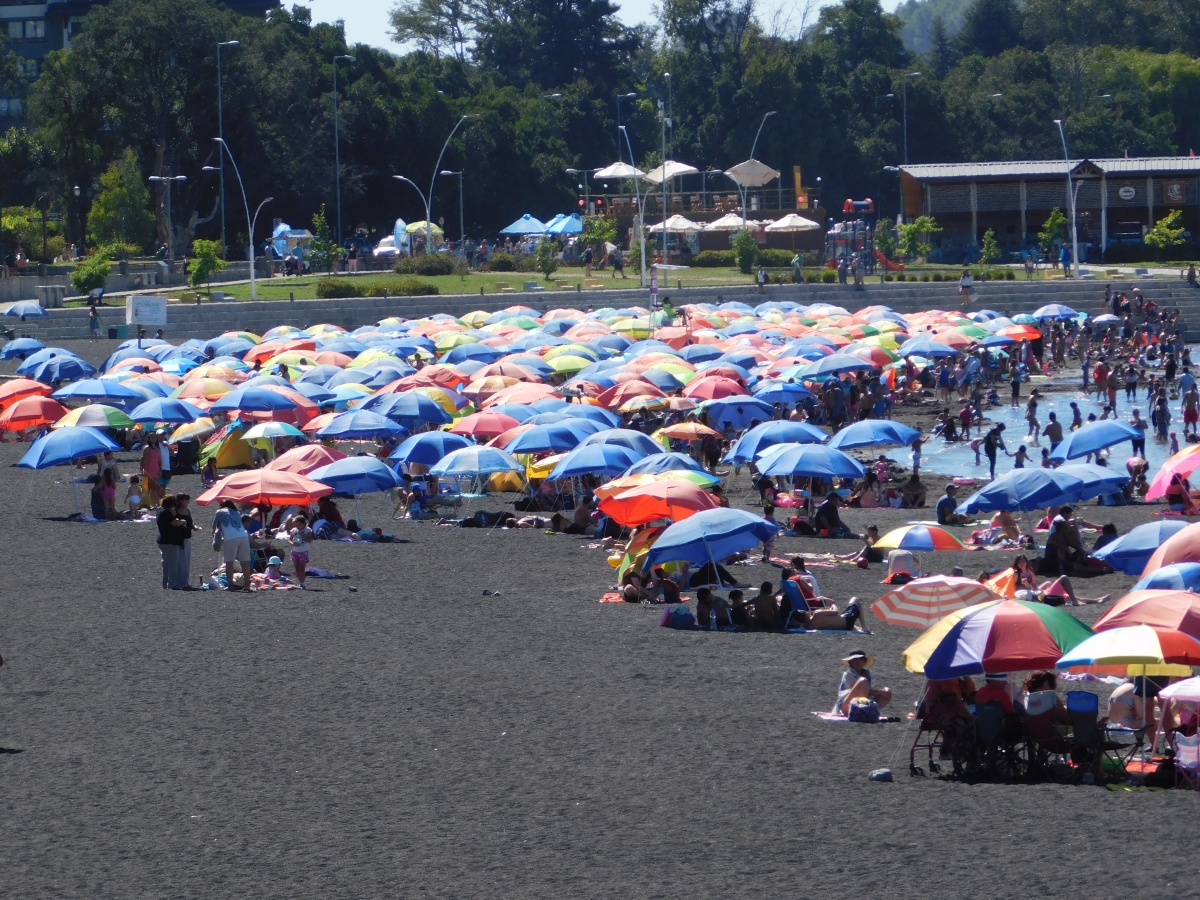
<point x="924" y="601"/>
<point x="1138" y="649"/>
<point x="919" y="537"/>
<point x="1004" y="636"/>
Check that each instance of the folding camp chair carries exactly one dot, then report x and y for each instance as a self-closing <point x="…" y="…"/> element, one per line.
<point x="998" y="756"/>
<point x="1187" y="761"/>
<point x="1043" y="742"/>
<point x="1088" y="745"/>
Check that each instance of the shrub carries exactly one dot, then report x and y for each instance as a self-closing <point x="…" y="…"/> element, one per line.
<point x="828" y="277"/>
<point x="547" y="257"/>
<point x="527" y="263"/>
<point x="925" y="278"/>
<point x="1009" y="275"/>
<point x="205" y="262"/>
<point x="889" y="277"/>
<point x="937" y="276"/>
<point x="714" y="259"/>
<point x="776" y="259"/>
<point x="340" y="288"/>
<point x="745" y="248"/>
<point x="811" y="279"/>
<point x="429" y="265"/>
<point x="90" y="274"/>
<point x="502" y="262"/>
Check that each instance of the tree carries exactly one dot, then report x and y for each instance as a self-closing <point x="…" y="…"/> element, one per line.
<point x="912" y="235"/>
<point x="547" y="257"/>
<point x="990" y="251"/>
<point x="598" y="231"/>
<point x="1053" y="232"/>
<point x="941" y="51"/>
<point x="1166" y="233"/>
<point x="434" y="26"/>
<point x="324" y="248"/>
<point x="990" y="28"/>
<point x="91" y="274"/>
<point x="885" y="241"/>
<point x="745" y="250"/>
<point x="205" y="260"/>
<point x="120" y="212"/>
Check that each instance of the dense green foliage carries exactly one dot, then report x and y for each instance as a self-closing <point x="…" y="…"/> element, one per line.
<point x="539" y="79"/>
<point x="92" y="273"/>
<point x="205" y="261"/>
<point x="388" y="286"/>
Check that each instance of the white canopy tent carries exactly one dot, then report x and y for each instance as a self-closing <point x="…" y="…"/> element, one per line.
<point x="620" y="170"/>
<point x="677" y="225"/>
<point x="668" y="170"/>
<point x="793" y="222"/>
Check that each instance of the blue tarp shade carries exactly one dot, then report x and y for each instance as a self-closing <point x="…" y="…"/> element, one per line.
<point x="561" y="224"/>
<point x="527" y="224"/>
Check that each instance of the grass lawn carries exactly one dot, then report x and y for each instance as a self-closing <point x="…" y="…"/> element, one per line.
<point x="305" y="288"/>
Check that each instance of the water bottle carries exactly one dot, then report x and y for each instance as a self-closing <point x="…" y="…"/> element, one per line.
<point x="712" y="621"/>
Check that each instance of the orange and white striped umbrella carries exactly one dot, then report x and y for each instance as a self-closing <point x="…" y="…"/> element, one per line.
<point x="924" y="601"/>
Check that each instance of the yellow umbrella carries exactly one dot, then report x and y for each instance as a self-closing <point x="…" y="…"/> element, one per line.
<point x="543" y="467"/>
<point x="374" y="356"/>
<point x="193" y="430"/>
<point x="476" y="318"/>
<point x="451" y="340"/>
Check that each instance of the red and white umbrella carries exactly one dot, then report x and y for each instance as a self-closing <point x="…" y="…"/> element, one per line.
<point x="924" y="601"/>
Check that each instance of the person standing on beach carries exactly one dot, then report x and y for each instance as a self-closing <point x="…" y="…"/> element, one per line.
<point x="170" y="542"/>
<point x="234" y="541"/>
<point x="182" y="502"/>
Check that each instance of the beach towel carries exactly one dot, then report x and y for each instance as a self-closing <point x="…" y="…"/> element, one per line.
<point x="612" y="597"/>
<point x="834" y="717"/>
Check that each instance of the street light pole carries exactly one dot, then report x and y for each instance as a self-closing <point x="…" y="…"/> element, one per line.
<point x="221" y="132"/>
<point x="586" y="193"/>
<point x="1070" y="196"/>
<point x="167" y="180"/>
<point x="462" y="221"/>
<point x="641" y="225"/>
<point x="428" y="227"/>
<point x="620" y="97"/>
<point x="337" y="153"/>
<point x="428" y="199"/>
<point x="251" y="221"/>
<point x="904" y="86"/>
<point x="753" y="149"/>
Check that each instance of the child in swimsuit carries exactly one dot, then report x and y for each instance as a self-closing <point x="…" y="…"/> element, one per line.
<point x="133" y="497"/>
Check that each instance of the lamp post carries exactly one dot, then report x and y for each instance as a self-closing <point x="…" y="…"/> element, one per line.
<point x="221" y="133"/>
<point x="704" y="185"/>
<point x="895" y="170"/>
<point x="662" y="118"/>
<point x="337" y="153"/>
<point x="586" y="193"/>
<point x="167" y="180"/>
<point x="753" y="148"/>
<point x="462" y="221"/>
<point x="670" y="111"/>
<point x="251" y="221"/>
<point x="427" y="199"/>
<point x="904" y="91"/>
<point x="641" y="225"/>
<point x="78" y="224"/>
<point x="620" y="97"/>
<point x="1070" y="196"/>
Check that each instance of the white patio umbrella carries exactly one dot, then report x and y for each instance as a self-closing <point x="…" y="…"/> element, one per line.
<point x="793" y="222"/>
<point x="752" y="173"/>
<point x="671" y="169"/>
<point x="676" y="225"/>
<point x="620" y="170"/>
<point x="727" y="222"/>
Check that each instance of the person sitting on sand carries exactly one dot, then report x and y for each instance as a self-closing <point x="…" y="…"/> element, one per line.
<point x="664" y="587"/>
<point x="273" y="576"/>
<point x="739" y="609"/>
<point x="946" y="507"/>
<point x="1058" y="592"/>
<point x="1004" y="521"/>
<point x="709" y="606"/>
<point x="826" y="520"/>
<point x="1040" y="695"/>
<point x="856" y="684"/>
<point x="1125" y="709"/>
<point x="913" y="492"/>
<point x="634" y="588"/>
<point x="869" y="553"/>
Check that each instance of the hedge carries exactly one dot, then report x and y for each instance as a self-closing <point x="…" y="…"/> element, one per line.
<point x="430" y="265"/>
<point x="339" y="288"/>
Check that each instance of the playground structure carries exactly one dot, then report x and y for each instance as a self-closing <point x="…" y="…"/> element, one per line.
<point x="856" y="237"/>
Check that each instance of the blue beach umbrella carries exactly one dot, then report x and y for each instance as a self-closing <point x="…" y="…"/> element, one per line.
<point x="360" y="425"/>
<point x="556" y="437"/>
<point x="412" y="410"/>
<point x="1054" y="311"/>
<point x="474" y="461"/>
<point x="809" y="461"/>
<point x="38" y="357"/>
<point x="173" y="412"/>
<point x="21" y="346"/>
<point x="640" y="444"/>
<point x="872" y="432"/>
<point x="428" y="448"/>
<point x="738" y="412"/>
<point x="1093" y="437"/>
<point x="1175" y="577"/>
<point x="356" y="475"/>
<point x="65" y="445"/>
<point x="780" y="391"/>
<point x="1130" y="552"/>
<point x="96" y="389"/>
<point x="838" y="362"/>
<point x="60" y="368"/>
<point x="770" y="434"/>
<point x="596" y="459"/>
<point x="664" y="462"/>
<point x="926" y="346"/>
<point x="709" y="536"/>
<point x="1023" y="490"/>
<point x="527" y="224"/>
<point x="251" y="399"/>
<point x="25" y="308"/>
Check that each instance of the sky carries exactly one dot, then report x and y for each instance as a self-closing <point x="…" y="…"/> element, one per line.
<point x="367" y="20"/>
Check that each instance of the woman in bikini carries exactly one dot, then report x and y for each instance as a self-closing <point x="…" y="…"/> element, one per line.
<point x="1053" y="593"/>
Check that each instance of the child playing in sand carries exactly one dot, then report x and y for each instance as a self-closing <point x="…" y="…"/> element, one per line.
<point x="209" y="476"/>
<point x="133" y="497"/>
<point x="300" y="537"/>
<point x="272" y="576"/>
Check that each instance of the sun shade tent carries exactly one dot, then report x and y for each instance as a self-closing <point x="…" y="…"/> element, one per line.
<point x="752" y="173"/>
<point x="727" y="222"/>
<point x="668" y="170"/>
<point x="619" y="171"/>
<point x="527" y="224"/>
<point x="793" y="223"/>
<point x="571" y="224"/>
<point x="63" y="447"/>
<point x="676" y="225"/>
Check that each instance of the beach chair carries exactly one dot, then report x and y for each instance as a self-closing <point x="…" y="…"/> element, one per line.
<point x="936" y="723"/>
<point x="1044" y="744"/>
<point x="998" y="757"/>
<point x="1088" y="743"/>
<point x="1187" y="761"/>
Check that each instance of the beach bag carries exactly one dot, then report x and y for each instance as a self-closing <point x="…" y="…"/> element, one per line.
<point x="218" y="540"/>
<point x="679" y="617"/>
<point x="863" y="710"/>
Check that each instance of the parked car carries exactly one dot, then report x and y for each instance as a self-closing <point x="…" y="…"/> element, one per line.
<point x="387" y="246"/>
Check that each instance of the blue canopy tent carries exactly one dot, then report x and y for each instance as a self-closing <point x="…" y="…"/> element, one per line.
<point x="527" y="224"/>
<point x="561" y="224"/>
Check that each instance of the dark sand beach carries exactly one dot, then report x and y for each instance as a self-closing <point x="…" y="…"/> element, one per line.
<point x="400" y="732"/>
